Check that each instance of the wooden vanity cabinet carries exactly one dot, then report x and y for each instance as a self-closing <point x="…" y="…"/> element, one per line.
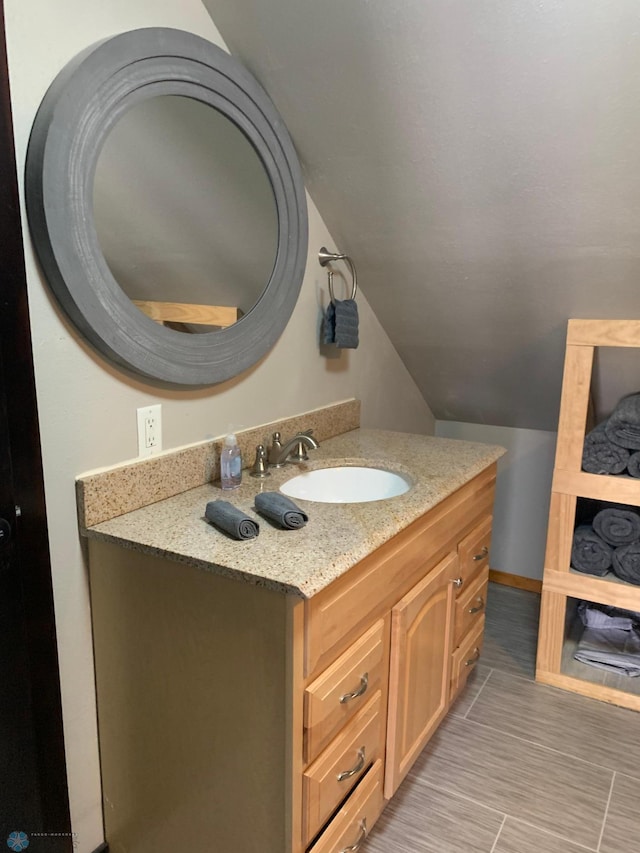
<point x="258" y="721"/>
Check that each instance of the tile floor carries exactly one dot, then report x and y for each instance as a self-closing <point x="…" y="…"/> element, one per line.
<point x="518" y="767"/>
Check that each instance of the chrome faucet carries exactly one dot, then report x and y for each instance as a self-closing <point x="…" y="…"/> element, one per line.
<point x="294" y="450"/>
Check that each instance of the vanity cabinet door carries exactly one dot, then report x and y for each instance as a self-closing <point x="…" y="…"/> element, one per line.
<point x="421" y="645"/>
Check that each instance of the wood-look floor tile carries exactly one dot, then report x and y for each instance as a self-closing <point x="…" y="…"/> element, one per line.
<point x="470" y="691"/>
<point x="582" y="727"/>
<point x="517" y="837"/>
<point x="511" y="630"/>
<point x="558" y="793"/>
<point x="622" y="828"/>
<point x="420" y="819"/>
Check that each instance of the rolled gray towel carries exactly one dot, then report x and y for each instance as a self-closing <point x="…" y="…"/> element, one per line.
<point x="231" y="519"/>
<point x="589" y="554"/>
<point x="280" y="509"/>
<point x="612" y="649"/>
<point x="623" y="427"/>
<point x="602" y="456"/>
<point x="626" y="563"/>
<point x="617" y="525"/>
<point x="633" y="465"/>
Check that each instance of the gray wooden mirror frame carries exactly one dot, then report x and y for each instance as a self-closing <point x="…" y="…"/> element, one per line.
<point x="84" y="102"/>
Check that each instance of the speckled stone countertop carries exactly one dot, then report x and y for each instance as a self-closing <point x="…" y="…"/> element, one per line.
<point x="337" y="536"/>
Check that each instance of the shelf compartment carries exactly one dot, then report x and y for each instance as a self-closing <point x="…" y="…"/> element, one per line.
<point x="585" y="679"/>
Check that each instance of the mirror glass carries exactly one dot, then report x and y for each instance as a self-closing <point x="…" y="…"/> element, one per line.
<point x="185" y="214"/>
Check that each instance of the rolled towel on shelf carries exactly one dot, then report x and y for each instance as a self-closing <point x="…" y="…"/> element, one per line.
<point x="633" y="465"/>
<point x="281" y="510"/>
<point x="617" y="525"/>
<point x="623" y="427"/>
<point x="231" y="519"/>
<point x="626" y="563"/>
<point x="601" y="456"/>
<point x="589" y="553"/>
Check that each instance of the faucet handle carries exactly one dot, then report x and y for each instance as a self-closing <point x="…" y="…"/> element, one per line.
<point x="300" y="453"/>
<point x="275" y="449"/>
<point x="260" y="466"/>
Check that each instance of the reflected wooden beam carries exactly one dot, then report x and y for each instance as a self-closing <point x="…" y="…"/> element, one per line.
<point x="184" y="312"/>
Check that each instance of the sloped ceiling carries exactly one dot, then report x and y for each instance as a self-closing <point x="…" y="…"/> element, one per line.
<point x="480" y="161"/>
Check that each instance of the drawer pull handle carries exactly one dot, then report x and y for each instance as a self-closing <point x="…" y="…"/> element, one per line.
<point x="457" y="582"/>
<point x="364" y="683"/>
<point x="484" y="553"/>
<point x="480" y="606"/>
<point x="353" y="848"/>
<point x="347" y="774"/>
<point x="474" y="660"/>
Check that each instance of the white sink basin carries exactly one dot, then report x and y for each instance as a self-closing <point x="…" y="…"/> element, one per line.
<point x="346" y="484"/>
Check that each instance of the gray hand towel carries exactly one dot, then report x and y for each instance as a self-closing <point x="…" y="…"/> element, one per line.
<point x="329" y="324"/>
<point x="346" y="335"/>
<point x="341" y="324"/>
<point x="589" y="553"/>
<point x="602" y="456"/>
<point x="626" y="563"/>
<point x="231" y="519"/>
<point x="280" y="509"/>
<point x="623" y="427"/>
<point x="617" y="525"/>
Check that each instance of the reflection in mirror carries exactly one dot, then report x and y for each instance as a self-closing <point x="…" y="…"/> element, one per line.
<point x="185" y="214"/>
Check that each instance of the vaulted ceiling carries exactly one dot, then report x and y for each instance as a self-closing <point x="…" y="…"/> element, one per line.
<point x="480" y="161"/>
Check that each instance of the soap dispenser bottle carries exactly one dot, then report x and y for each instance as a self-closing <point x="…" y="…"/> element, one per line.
<point x="230" y="463"/>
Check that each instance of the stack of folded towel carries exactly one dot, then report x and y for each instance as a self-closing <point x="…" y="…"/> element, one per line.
<point x="611" y="542"/>
<point x="613" y="447"/>
<point x="610" y="640"/>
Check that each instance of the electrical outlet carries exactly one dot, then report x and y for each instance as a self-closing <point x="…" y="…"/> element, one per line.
<point x="149" y="430"/>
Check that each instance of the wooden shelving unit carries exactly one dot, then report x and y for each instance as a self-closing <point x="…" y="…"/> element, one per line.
<point x="561" y="584"/>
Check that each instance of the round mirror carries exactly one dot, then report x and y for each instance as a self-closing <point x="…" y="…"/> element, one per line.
<point x="166" y="205"/>
<point x="185" y="214"/>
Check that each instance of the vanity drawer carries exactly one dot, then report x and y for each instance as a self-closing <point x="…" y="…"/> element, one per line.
<point x="353" y="822"/>
<point x="337" y="770"/>
<point x="346" y="686"/>
<point x="470" y="606"/>
<point x="473" y="553"/>
<point x="466" y="657"/>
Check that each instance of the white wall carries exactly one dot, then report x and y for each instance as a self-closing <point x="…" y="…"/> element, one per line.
<point x="523" y="491"/>
<point x="87" y="408"/>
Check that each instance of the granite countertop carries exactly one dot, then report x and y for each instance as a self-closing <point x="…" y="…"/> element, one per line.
<point x="337" y="536"/>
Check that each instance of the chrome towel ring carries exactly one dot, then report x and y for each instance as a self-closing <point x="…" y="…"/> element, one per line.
<point x="325" y="257"/>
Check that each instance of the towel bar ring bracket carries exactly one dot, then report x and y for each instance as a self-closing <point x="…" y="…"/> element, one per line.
<point x="325" y="257"/>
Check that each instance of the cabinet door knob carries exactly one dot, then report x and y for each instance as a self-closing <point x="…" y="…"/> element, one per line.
<point x="353" y="848"/>
<point x="347" y="774"/>
<point x="457" y="582"/>
<point x="364" y="683"/>
<point x="479" y="607"/>
<point x="474" y="660"/>
<point x="484" y="553"/>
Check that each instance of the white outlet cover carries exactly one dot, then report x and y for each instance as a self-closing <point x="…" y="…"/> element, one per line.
<point x="144" y="413"/>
